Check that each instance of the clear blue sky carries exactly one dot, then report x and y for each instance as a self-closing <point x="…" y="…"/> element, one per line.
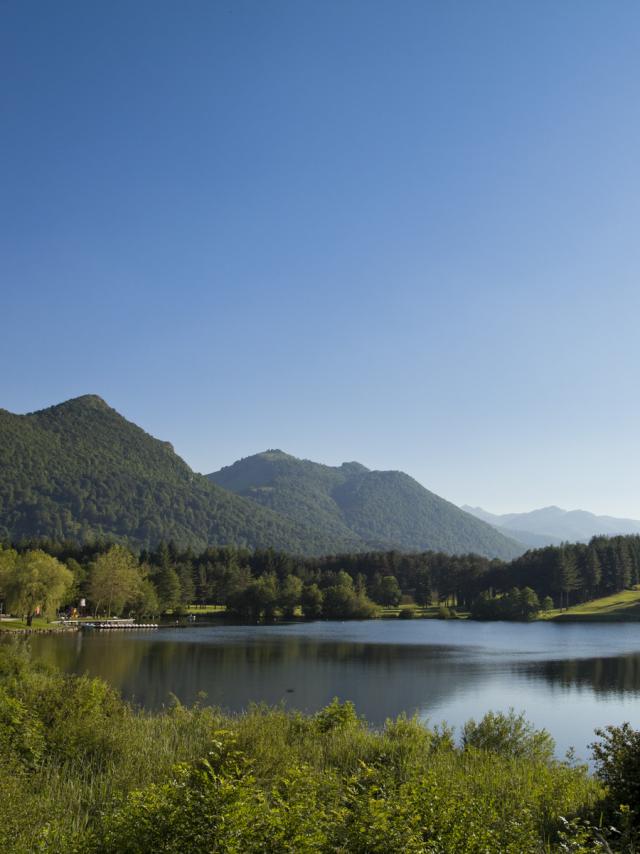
<point x="403" y="233"/>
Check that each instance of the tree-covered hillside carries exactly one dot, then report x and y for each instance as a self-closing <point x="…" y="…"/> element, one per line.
<point x="362" y="508"/>
<point x="80" y="470"/>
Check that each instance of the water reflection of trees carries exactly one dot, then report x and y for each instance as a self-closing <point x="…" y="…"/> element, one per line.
<point x="617" y="675"/>
<point x="382" y="679"/>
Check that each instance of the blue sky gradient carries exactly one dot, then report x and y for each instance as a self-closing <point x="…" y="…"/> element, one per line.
<point x="402" y="233"/>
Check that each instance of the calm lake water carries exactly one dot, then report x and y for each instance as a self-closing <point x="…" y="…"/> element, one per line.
<point x="569" y="678"/>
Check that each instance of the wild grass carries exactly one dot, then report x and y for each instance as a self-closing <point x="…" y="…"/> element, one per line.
<point x="84" y="773"/>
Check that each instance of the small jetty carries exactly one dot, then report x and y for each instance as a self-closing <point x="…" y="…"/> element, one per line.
<point x="113" y="624"/>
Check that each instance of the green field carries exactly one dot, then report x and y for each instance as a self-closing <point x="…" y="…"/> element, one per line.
<point x="619" y="607"/>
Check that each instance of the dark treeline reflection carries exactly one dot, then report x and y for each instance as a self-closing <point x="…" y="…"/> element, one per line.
<point x="572" y="677"/>
<point x="382" y="679"/>
<point x="612" y="675"/>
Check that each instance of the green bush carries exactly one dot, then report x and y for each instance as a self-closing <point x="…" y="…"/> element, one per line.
<point x="21" y="733"/>
<point x="407" y="613"/>
<point x="509" y="735"/>
<point x="83" y="773"/>
<point x="617" y="758"/>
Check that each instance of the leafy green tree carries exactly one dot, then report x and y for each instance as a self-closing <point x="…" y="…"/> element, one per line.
<point x="114" y="579"/>
<point x="168" y="588"/>
<point x="79" y="579"/>
<point x="528" y="604"/>
<point x="144" y="602"/>
<point x="374" y="587"/>
<point x="617" y="759"/>
<point x="343" y="603"/>
<point x="258" y="600"/>
<point x="484" y="607"/>
<point x="390" y="593"/>
<point x="345" y="580"/>
<point x="289" y="595"/>
<point x="422" y="593"/>
<point x="267" y="591"/>
<point x="311" y="601"/>
<point x="35" y="581"/>
<point x="514" y="605"/>
<point x="360" y="583"/>
<point x="187" y="586"/>
<point x="8" y="558"/>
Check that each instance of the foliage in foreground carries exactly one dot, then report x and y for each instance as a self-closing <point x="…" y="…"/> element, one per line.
<point x="84" y="773"/>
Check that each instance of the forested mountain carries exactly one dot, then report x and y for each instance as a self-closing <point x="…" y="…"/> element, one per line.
<point x="552" y="525"/>
<point x="80" y="470"/>
<point x="362" y="508"/>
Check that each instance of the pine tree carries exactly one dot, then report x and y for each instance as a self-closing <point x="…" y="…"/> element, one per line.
<point x="592" y="572"/>
<point x="623" y="564"/>
<point x="168" y="587"/>
<point x="565" y="575"/>
<point x="422" y="593"/>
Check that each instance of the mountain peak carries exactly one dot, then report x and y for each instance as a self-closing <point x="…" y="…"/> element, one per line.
<point x="354" y="467"/>
<point x="360" y="509"/>
<point x="92" y="474"/>
<point x="275" y="454"/>
<point x="90" y="398"/>
<point x="84" y="401"/>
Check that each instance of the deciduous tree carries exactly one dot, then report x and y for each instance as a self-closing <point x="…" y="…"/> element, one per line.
<point x="114" y="580"/>
<point x="35" y="580"/>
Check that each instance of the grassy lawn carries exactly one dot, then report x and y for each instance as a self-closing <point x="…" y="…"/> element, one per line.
<point x="619" y="607"/>
<point x="15" y="625"/>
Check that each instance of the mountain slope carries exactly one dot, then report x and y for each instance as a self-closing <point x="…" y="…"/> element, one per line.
<point x="80" y="470"/>
<point x="364" y="509"/>
<point x="552" y="525"/>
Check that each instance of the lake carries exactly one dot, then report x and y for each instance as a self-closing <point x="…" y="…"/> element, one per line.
<point x="568" y="678"/>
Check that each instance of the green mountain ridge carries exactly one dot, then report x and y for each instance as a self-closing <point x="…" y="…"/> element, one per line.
<point x="371" y="509"/>
<point x="79" y="470"/>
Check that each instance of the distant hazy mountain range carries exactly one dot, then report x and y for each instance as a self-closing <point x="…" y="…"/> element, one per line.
<point x="552" y="525"/>
<point x="79" y="470"/>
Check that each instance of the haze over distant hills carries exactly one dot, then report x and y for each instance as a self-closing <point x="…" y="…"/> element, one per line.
<point x="79" y="470"/>
<point x="361" y="508"/>
<point x="553" y="525"/>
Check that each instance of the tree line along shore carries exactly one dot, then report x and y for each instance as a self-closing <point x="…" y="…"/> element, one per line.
<point x="41" y="578"/>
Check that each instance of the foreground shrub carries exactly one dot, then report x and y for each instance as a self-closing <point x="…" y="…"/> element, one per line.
<point x="617" y="757"/>
<point x="509" y="735"/>
<point x="84" y="773"/>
